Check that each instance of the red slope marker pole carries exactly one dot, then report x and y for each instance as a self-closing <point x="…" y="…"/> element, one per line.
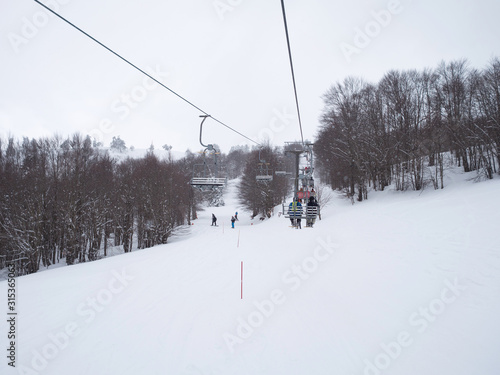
<point x="241" y="279"/>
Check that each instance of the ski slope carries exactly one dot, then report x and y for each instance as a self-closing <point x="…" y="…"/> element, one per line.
<point x="404" y="283"/>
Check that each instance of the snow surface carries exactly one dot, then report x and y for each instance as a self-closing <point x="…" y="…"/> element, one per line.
<point x="404" y="283"/>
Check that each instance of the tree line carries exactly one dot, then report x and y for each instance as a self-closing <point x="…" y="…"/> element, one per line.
<point x="66" y="199"/>
<point x="398" y="131"/>
<point x="69" y="200"/>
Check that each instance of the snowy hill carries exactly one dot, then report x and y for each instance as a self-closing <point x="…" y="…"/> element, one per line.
<point x="404" y="283"/>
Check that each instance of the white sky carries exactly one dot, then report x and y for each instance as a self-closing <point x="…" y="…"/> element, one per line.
<point x="228" y="57"/>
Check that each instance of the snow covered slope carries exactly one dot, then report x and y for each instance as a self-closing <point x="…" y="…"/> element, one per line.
<point x="404" y="283"/>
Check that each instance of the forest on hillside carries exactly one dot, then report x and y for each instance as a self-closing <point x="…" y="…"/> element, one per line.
<point x="398" y="131"/>
<point x="70" y="200"/>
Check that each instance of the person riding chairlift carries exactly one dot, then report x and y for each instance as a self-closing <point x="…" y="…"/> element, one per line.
<point x="312" y="219"/>
<point x="295" y="212"/>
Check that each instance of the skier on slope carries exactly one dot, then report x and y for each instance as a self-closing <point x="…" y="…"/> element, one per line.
<point x="214" y="220"/>
<point x="232" y="221"/>
<point x="236" y="216"/>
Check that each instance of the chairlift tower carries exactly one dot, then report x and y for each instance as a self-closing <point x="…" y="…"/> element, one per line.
<point x="305" y="178"/>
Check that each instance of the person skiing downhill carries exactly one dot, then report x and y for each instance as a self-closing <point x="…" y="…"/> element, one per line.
<point x="214" y="220"/>
<point x="236" y="216"/>
<point x="232" y="221"/>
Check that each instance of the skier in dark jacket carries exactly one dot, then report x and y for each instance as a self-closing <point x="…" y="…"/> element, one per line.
<point x="214" y="220"/>
<point x="312" y="211"/>
<point x="232" y="221"/>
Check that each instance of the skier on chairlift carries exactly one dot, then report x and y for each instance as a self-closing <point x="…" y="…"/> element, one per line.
<point x="295" y="211"/>
<point x="311" y="218"/>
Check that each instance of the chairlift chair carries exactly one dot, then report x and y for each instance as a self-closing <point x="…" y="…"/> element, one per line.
<point x="211" y="179"/>
<point x="264" y="174"/>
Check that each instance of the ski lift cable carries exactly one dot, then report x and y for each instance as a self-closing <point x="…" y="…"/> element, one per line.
<point x="142" y="71"/>
<point x="291" y="67"/>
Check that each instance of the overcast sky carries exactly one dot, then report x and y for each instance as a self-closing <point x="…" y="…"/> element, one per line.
<point x="228" y="57"/>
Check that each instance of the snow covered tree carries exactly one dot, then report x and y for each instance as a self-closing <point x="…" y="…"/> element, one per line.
<point x="118" y="144"/>
<point x="215" y="197"/>
<point x="64" y="199"/>
<point x="261" y="197"/>
<point x="398" y="130"/>
<point x="235" y="161"/>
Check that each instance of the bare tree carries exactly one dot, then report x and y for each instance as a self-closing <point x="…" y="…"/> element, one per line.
<point x="399" y="130"/>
